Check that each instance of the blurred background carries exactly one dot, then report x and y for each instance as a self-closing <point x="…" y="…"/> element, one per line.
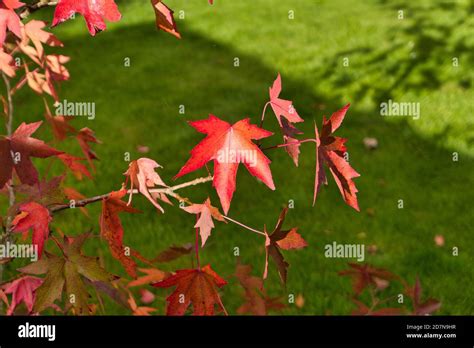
<point x="406" y="60"/>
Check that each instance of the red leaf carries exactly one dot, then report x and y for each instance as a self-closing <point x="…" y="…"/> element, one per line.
<point x="164" y="18"/>
<point x="23" y="290"/>
<point x="331" y="150"/>
<point x="256" y="300"/>
<point x="196" y="287"/>
<point x="282" y="239"/>
<point x="95" y="13"/>
<point x="206" y="212"/>
<point x="365" y="275"/>
<point x="228" y="145"/>
<point x="84" y="137"/>
<point x="9" y="19"/>
<point x="77" y="168"/>
<point x="59" y="124"/>
<point x="35" y="217"/>
<point x="421" y="308"/>
<point x="112" y="231"/>
<point x="15" y="153"/>
<point x="282" y="107"/>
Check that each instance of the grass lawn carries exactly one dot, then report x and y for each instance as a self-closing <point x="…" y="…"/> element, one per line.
<point x="139" y="105"/>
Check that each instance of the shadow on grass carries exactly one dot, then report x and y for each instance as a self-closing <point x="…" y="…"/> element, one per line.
<point x="139" y="105"/>
<point x="430" y="45"/>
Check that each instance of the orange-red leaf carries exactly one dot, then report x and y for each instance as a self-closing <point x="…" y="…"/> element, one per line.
<point x="164" y="18"/>
<point x="9" y="19"/>
<point x="331" y="150"/>
<point x="228" y="145"/>
<point x="196" y="287"/>
<point x="112" y="231"/>
<point x="33" y="216"/>
<point x="95" y="13"/>
<point x="15" y="153"/>
<point x="23" y="290"/>
<point x="282" y="239"/>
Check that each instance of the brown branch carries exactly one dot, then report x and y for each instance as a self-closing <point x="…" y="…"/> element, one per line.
<point x="166" y="190"/>
<point x="30" y="8"/>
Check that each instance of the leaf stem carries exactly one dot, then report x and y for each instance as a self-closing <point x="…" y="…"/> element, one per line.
<point x="243" y="225"/>
<point x="263" y="114"/>
<point x="290" y="144"/>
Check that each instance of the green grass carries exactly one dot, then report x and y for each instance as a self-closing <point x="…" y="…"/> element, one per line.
<point x="139" y="106"/>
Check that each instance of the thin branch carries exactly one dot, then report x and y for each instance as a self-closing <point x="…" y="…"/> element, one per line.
<point x="30" y="8"/>
<point x="166" y="190"/>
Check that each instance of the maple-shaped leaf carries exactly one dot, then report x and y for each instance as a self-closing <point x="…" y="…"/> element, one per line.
<point x="7" y="64"/>
<point x="59" y="124"/>
<point x="173" y="252"/>
<point x="281" y="239"/>
<point x="257" y="301"/>
<point x="365" y="275"/>
<point x="112" y="231"/>
<point x="142" y="176"/>
<point x="23" y="290"/>
<point x="331" y="150"/>
<point x="15" y="153"/>
<point x="84" y="137"/>
<point x="9" y="20"/>
<point x="54" y="72"/>
<point x="164" y="18"/>
<point x="66" y="272"/>
<point x="193" y="286"/>
<point x="152" y="275"/>
<point x="45" y="192"/>
<point x="206" y="212"/>
<point x="282" y="107"/>
<point x="421" y="308"/>
<point x="75" y="166"/>
<point x="33" y="30"/>
<point x="95" y="13"/>
<point x="228" y="145"/>
<point x="286" y="115"/>
<point x="35" y="217"/>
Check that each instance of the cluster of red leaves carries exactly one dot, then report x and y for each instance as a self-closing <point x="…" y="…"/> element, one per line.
<point x="374" y="282"/>
<point x="73" y="273"/>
